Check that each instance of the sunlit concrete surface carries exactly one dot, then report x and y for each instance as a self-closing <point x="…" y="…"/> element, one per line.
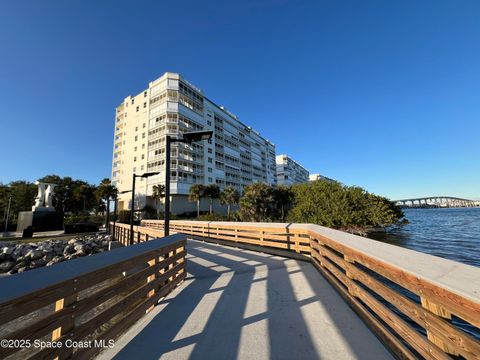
<point x="239" y="304"/>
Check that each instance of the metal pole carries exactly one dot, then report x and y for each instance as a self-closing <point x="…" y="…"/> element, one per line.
<point x="107" y="218"/>
<point x="166" y="226"/>
<point x="8" y="214"/>
<point x="114" y="216"/>
<point x="132" y="209"/>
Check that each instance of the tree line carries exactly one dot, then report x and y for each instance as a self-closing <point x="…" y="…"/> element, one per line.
<point x="323" y="202"/>
<point x="73" y="197"/>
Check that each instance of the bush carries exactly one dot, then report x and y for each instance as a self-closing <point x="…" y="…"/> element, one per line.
<point x="343" y="207"/>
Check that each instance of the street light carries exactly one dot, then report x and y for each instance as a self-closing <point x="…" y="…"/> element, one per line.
<point x="187" y="138"/>
<point x="145" y="175"/>
<point x="115" y="204"/>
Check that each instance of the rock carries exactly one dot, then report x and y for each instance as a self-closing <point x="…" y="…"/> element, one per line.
<point x="69" y="249"/>
<point x="55" y="260"/>
<point x="34" y="254"/>
<point x="38" y="263"/>
<point x="8" y="250"/>
<point x="4" y="256"/>
<point x="48" y="257"/>
<point x="6" y="266"/>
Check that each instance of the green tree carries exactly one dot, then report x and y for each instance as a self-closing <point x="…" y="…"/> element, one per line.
<point x="229" y="196"/>
<point x="258" y="203"/>
<point x="106" y="191"/>
<point x="212" y="191"/>
<point x="158" y="193"/>
<point x="334" y="205"/>
<point x="23" y="195"/>
<point x="283" y="196"/>
<point x="195" y="193"/>
<point x="84" y="194"/>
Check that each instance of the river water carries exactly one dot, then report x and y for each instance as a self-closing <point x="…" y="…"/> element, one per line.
<point x="449" y="233"/>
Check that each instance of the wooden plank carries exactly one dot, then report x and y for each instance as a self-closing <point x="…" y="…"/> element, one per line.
<point x="454" y="340"/>
<point x="425" y="348"/>
<point x="396" y="346"/>
<point x="454" y="303"/>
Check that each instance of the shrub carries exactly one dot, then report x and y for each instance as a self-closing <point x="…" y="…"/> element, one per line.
<point x="338" y="206"/>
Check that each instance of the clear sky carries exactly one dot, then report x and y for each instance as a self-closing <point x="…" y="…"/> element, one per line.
<point x="380" y="94"/>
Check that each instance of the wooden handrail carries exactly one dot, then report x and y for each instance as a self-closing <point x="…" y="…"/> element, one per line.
<point x="88" y="298"/>
<point x="374" y="278"/>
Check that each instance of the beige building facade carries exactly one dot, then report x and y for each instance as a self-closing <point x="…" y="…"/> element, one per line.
<point x="289" y="171"/>
<point x="237" y="155"/>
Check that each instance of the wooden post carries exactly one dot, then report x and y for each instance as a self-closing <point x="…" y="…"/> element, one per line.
<point x="150" y="279"/>
<point x="442" y="312"/>
<point x="349" y="275"/>
<point x="69" y="323"/>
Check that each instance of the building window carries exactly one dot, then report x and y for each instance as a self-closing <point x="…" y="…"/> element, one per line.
<point x="136" y="137"/>
<point x="133" y="101"/>
<point x="144" y="94"/>
<point x="209" y="150"/>
<point x="210" y="180"/>
<point x="144" y="125"/>
<point x="143" y="156"/>
<point x="134" y="158"/>
<point x="136" y="128"/>
<point x="144" y="105"/>
<point x="138" y="108"/>
<point x="143" y="146"/>
<point x="209" y="123"/>
<point x="135" y="148"/>
<point x="210" y="160"/>
<point x="143" y="136"/>
<point x="210" y="170"/>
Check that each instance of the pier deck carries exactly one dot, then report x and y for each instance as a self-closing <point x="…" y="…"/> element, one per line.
<point x="249" y="305"/>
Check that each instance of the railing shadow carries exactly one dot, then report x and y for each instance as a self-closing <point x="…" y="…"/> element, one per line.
<point x="241" y="304"/>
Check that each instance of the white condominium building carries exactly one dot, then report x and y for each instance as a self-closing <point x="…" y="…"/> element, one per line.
<point x="236" y="156"/>
<point x="315" y="177"/>
<point x="289" y="171"/>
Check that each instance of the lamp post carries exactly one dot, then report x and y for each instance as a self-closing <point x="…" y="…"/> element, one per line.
<point x="7" y="215"/>
<point x="115" y="204"/>
<point x="187" y="138"/>
<point x="146" y="175"/>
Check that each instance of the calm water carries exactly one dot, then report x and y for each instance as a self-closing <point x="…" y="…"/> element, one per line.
<point x="449" y="233"/>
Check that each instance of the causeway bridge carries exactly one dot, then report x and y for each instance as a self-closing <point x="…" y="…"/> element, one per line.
<point x="233" y="290"/>
<point x="436" y="202"/>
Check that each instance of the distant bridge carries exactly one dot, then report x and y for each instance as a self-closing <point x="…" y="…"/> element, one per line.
<point x="436" y="202"/>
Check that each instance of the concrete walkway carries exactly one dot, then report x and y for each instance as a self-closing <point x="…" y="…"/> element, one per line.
<point x="239" y="304"/>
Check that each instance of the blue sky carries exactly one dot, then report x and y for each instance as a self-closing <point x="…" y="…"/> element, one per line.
<point x="380" y="94"/>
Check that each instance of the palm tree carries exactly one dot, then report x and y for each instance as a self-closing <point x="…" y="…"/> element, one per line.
<point x="213" y="192"/>
<point x="106" y="191"/>
<point x="229" y="196"/>
<point x="195" y="194"/>
<point x="158" y="194"/>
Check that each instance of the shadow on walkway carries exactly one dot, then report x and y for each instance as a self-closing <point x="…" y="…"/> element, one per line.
<point x="243" y="304"/>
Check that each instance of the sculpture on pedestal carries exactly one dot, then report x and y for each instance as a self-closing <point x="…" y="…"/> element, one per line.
<point x="44" y="198"/>
<point x="43" y="216"/>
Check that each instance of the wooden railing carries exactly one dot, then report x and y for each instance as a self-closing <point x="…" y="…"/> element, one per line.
<point x="419" y="305"/>
<point x="86" y="300"/>
<point x="121" y="232"/>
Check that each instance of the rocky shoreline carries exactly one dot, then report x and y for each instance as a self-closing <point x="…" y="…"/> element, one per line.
<point x="19" y="257"/>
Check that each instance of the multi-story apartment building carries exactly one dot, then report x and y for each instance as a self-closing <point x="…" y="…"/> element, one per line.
<point x="315" y="177"/>
<point x="236" y="155"/>
<point x="289" y="171"/>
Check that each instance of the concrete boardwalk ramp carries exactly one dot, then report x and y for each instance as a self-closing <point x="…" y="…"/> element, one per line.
<point x="239" y="304"/>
